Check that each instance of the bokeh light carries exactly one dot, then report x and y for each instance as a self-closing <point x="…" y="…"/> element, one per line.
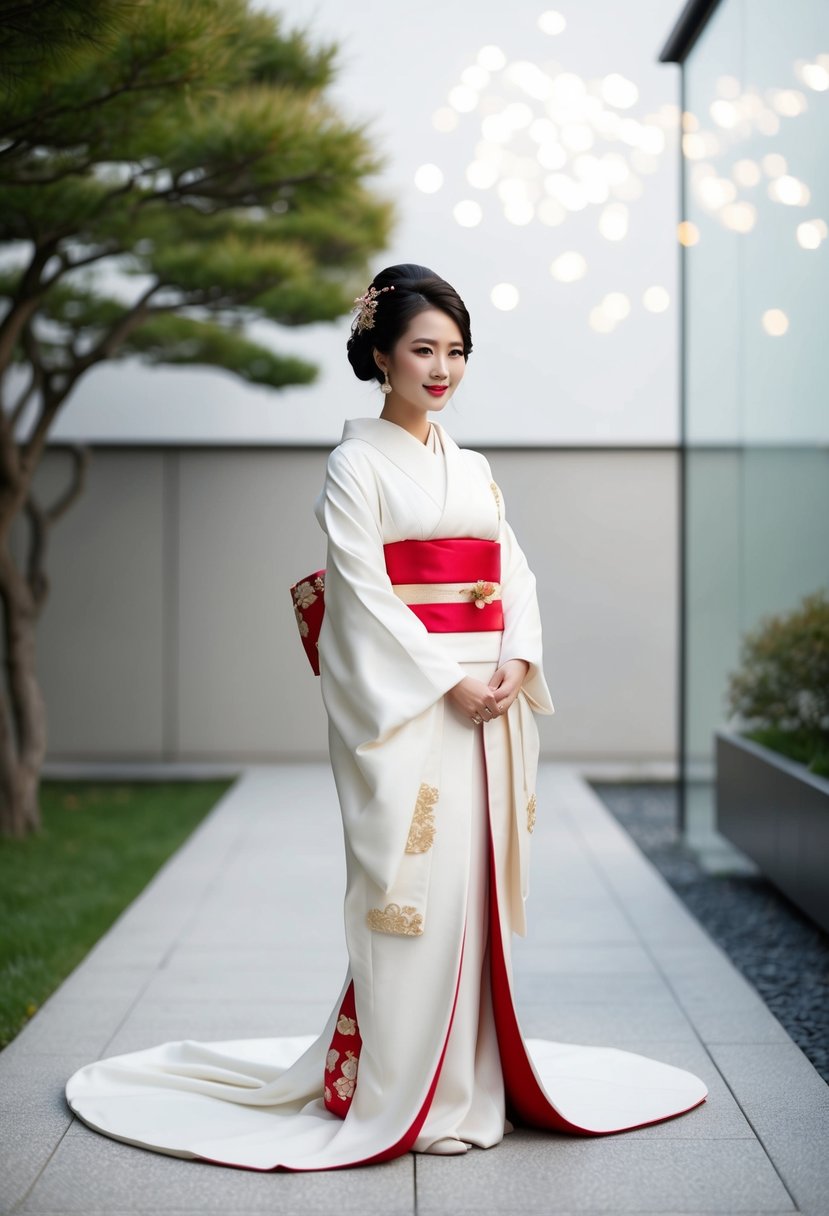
<point x="504" y="296"/>
<point x="428" y="178"/>
<point x="568" y="267"/>
<point x="789" y="191"/>
<point x="775" y="322"/>
<point x="492" y="58"/>
<point x="620" y="92"/>
<point x="815" y="76"/>
<point x="811" y="233"/>
<point x="467" y="213"/>
<point x="656" y="299"/>
<point x="463" y="99"/>
<point x="616" y="305"/>
<point x="613" y="222"/>
<point x="551" y="22"/>
<point x="739" y="217"/>
<point x="746" y="172"/>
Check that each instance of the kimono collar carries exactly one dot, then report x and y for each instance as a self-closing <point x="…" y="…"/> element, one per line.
<point x="407" y="452"/>
<point x="394" y="441"/>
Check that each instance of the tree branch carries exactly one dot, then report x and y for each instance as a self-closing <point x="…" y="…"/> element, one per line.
<point x="24" y="302"/>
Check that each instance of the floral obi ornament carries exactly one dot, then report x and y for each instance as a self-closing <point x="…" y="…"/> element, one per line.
<point x="451" y="585"/>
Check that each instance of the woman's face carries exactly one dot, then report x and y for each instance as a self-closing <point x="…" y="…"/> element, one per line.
<point x="428" y="354"/>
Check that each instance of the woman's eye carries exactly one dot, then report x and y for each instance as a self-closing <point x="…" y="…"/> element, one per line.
<point x="428" y="349"/>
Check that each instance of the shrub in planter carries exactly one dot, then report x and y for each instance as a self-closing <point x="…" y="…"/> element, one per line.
<point x="780" y="691"/>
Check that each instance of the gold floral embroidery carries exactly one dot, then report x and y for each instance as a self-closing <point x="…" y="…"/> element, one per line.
<point x="497" y="494"/>
<point x="344" y="1087"/>
<point x="304" y="597"/>
<point x="531" y="813"/>
<point x="346" y="1025"/>
<point x="328" y="1094"/>
<point x="394" y="919"/>
<point x="349" y="1066"/>
<point x="301" y="622"/>
<point x="422" y="830"/>
<point x="331" y="1060"/>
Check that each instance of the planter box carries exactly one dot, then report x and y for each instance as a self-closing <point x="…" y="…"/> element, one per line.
<point x="777" y="812"/>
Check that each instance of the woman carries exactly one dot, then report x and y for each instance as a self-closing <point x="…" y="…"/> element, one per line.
<point x="431" y="670"/>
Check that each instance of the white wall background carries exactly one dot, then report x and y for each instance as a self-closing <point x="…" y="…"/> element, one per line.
<point x="169" y="633"/>
<point x="542" y="372"/>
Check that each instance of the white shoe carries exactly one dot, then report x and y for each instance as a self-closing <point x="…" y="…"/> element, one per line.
<point x="447" y="1146"/>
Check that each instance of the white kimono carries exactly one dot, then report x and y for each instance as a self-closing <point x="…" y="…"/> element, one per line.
<point x="438" y="815"/>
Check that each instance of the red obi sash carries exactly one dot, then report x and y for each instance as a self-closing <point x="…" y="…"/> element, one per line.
<point x="451" y="585"/>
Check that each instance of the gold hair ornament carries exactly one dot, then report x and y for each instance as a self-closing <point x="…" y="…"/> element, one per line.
<point x="368" y="307"/>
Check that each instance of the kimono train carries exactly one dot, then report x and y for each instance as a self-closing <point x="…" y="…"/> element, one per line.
<point x="425" y="583"/>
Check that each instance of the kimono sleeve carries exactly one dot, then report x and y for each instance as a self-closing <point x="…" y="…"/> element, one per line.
<point x="522" y="618"/>
<point x="379" y="666"/>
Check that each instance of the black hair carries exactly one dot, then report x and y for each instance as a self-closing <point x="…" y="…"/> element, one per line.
<point x="416" y="288"/>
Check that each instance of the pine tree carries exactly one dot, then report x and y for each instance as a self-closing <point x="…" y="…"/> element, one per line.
<point x="170" y="170"/>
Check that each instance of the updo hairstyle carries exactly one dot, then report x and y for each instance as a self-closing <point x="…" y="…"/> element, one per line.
<point x="416" y="288"/>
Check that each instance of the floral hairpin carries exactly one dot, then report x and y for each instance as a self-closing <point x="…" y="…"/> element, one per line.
<point x="368" y="307"/>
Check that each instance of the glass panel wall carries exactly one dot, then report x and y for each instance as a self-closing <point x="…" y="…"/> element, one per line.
<point x="756" y="357"/>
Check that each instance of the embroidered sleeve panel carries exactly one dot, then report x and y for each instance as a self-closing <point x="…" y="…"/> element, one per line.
<point x="304" y="595"/>
<point x="497" y="495"/>
<point x="405" y="920"/>
<point x="422" y="830"/>
<point x="531" y="813"/>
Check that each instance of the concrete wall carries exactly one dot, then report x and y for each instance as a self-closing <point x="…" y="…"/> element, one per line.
<point x="169" y="633"/>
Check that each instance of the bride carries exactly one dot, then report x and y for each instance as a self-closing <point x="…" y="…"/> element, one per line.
<point x="430" y="660"/>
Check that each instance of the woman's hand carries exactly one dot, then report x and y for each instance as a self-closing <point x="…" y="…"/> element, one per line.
<point x="507" y="682"/>
<point x="474" y="699"/>
<point x="482" y="702"/>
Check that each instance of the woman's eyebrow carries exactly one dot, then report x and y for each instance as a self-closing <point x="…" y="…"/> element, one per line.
<point x="435" y="342"/>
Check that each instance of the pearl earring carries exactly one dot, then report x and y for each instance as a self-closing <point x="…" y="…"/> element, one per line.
<point x="385" y="388"/>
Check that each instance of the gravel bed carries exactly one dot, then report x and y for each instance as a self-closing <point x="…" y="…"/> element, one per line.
<point x="778" y="949"/>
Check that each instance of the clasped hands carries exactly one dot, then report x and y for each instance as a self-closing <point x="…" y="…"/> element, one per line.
<point x="482" y="702"/>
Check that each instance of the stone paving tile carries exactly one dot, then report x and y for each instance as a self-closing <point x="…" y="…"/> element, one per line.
<point x="578" y="1022"/>
<point x="74" y="1025"/>
<point x="787" y="1103"/>
<point x="33" y="1117"/>
<point x="90" y="1171"/>
<point x="532" y="1172"/>
<point x="735" y="1024"/>
<point x="640" y="988"/>
<point x="260" y="987"/>
<point x="216" y="1022"/>
<point x="573" y="921"/>
<point x="530" y="957"/>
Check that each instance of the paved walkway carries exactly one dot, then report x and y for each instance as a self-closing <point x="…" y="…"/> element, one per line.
<point x="240" y="935"/>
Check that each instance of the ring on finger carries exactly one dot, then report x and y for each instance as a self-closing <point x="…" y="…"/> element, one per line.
<point x="477" y="720"/>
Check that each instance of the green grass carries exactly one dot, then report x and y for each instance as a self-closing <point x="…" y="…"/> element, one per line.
<point x="796" y="745"/>
<point x="61" y="889"/>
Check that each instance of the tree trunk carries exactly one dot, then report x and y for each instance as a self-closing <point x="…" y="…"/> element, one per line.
<point x="22" y="708"/>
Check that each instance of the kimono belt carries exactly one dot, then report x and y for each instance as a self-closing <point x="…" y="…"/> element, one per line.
<point x="451" y="585"/>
